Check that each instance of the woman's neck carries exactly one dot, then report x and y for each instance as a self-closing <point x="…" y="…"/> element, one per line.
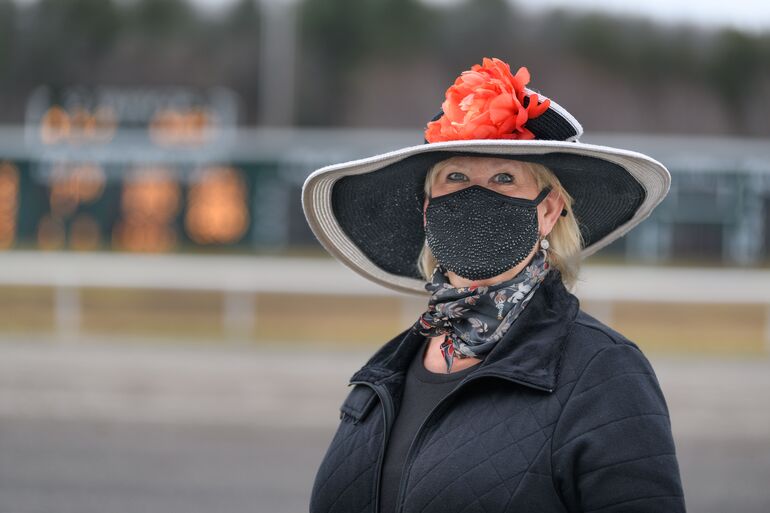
<point x="434" y="360"/>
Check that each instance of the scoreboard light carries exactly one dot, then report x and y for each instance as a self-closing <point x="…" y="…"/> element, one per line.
<point x="217" y="207"/>
<point x="193" y="127"/>
<point x="51" y="233"/>
<point x="74" y="119"/>
<point x="85" y="233"/>
<point x="151" y="197"/>
<point x="80" y="126"/>
<point x="54" y="125"/>
<point x="74" y="183"/>
<point x="9" y="203"/>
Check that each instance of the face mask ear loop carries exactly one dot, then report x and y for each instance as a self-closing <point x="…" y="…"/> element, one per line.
<point x="544" y="194"/>
<point x="540" y="197"/>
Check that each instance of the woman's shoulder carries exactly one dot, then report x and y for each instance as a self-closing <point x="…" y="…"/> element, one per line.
<point x="594" y="348"/>
<point x="590" y="335"/>
<point x="612" y="445"/>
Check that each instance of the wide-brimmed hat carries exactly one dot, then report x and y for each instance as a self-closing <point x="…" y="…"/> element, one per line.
<point x="368" y="213"/>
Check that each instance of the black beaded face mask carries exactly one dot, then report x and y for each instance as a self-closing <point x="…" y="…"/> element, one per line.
<point x="478" y="233"/>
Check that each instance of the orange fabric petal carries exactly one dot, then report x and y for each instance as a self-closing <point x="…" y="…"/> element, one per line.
<point x="485" y="102"/>
<point x="535" y="109"/>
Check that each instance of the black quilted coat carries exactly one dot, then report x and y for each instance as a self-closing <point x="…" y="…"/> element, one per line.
<point x="564" y="415"/>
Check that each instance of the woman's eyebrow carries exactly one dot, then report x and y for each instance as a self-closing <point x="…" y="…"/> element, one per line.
<point x="464" y="169"/>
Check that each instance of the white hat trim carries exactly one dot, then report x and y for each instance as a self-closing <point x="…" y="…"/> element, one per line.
<point x="569" y="118"/>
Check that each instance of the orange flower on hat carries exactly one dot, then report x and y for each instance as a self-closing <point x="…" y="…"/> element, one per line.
<point x="487" y="102"/>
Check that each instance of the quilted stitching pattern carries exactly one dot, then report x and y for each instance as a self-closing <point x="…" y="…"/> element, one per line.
<point x="599" y="443"/>
<point x="614" y="435"/>
<point x="481" y="467"/>
<point x="344" y="481"/>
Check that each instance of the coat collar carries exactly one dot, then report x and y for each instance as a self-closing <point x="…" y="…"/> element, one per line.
<point x="529" y="353"/>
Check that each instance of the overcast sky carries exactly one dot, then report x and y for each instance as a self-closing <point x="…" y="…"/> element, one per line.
<point x="752" y="15"/>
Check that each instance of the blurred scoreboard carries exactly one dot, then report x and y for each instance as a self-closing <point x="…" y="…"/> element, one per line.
<point x="141" y="207"/>
<point x="135" y="170"/>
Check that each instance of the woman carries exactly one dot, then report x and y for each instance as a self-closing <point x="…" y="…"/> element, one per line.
<point x="504" y="396"/>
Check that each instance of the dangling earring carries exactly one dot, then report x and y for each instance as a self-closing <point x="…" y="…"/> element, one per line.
<point x="544" y="245"/>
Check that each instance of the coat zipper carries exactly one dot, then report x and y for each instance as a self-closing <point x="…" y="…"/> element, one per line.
<point x="417" y="436"/>
<point x="387" y="403"/>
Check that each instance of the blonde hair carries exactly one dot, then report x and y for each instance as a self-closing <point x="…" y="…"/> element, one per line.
<point x="565" y="238"/>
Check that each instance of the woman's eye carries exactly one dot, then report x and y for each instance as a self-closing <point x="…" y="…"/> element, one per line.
<point x="504" y="178"/>
<point x="455" y="176"/>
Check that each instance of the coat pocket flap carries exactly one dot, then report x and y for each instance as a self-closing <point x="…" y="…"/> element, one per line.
<point x="359" y="402"/>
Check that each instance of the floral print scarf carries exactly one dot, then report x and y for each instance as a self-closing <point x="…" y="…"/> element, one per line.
<point x="475" y="318"/>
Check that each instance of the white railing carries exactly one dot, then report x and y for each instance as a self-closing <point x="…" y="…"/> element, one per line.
<point x="239" y="278"/>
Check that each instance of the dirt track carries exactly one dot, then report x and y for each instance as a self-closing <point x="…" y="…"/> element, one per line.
<point x="97" y="427"/>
